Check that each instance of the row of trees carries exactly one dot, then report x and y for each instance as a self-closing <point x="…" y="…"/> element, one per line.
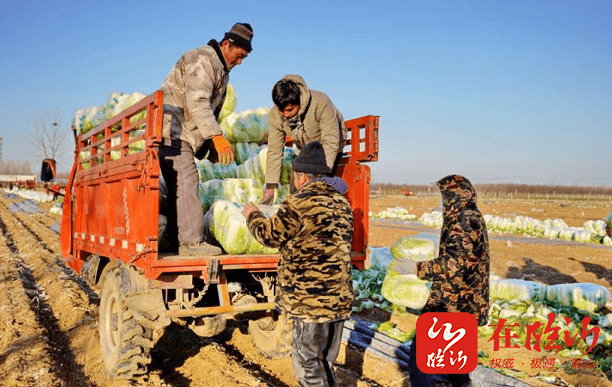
<point x="11" y="167"/>
<point x="532" y="189"/>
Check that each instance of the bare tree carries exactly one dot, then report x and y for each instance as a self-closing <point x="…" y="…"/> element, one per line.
<point x="50" y="138"/>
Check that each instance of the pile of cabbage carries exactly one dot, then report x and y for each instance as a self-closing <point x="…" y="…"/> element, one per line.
<point x="385" y="285"/>
<point x="37" y="196"/>
<point x="223" y="189"/>
<point x="394" y="213"/>
<point x="592" y="231"/>
<point x="225" y="223"/>
<point x="516" y="301"/>
<point x="525" y="303"/>
<point x="88" y="118"/>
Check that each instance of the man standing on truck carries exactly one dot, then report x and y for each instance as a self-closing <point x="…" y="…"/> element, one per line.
<point x="194" y="93"/>
<point x="304" y="115"/>
<point x="313" y="230"/>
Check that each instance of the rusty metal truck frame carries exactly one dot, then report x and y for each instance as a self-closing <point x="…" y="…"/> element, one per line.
<point x="110" y="224"/>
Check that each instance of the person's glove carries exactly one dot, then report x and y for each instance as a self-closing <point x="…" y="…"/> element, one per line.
<point x="268" y="197"/>
<point x="225" y="154"/>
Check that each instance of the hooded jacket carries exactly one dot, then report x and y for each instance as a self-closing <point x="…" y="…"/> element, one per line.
<point x="460" y="275"/>
<point x="194" y="93"/>
<point x="317" y="120"/>
<point x="313" y="231"/>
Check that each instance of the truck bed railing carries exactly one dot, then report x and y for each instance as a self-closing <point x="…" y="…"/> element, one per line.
<point x="112" y="196"/>
<point x="362" y="140"/>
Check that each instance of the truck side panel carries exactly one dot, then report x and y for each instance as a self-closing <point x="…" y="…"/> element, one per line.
<point x="111" y="207"/>
<point x="112" y="197"/>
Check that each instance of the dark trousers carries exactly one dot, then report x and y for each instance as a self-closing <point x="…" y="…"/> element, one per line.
<point x="185" y="216"/>
<point x="315" y="348"/>
<point x="421" y="379"/>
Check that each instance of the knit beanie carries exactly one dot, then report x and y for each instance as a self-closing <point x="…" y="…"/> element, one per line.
<point x="241" y="35"/>
<point x="311" y="160"/>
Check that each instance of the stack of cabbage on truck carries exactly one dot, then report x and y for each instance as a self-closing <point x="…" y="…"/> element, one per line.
<point x="224" y="189"/>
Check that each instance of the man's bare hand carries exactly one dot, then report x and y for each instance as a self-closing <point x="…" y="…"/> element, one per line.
<point x="268" y="197"/>
<point x="248" y="209"/>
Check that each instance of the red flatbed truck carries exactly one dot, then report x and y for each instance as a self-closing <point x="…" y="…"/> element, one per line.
<point x="109" y="236"/>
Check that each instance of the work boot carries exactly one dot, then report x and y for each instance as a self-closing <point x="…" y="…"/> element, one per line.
<point x="198" y="249"/>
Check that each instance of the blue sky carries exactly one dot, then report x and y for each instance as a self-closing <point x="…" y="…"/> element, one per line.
<point x="499" y="91"/>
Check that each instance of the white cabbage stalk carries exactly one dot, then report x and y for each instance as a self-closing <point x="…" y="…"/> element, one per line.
<point x="247" y="126"/>
<point x="244" y="151"/>
<point x="593" y="231"/>
<point x="421" y="247"/>
<point x="405" y="289"/>
<point x="516" y="289"/>
<point x="597" y="227"/>
<point x="229" y="104"/>
<point x="255" y="167"/>
<point x="234" y="190"/>
<point x="37" y="196"/>
<point x="83" y="118"/>
<point x="394" y="213"/>
<point x="117" y="102"/>
<point x="432" y="219"/>
<point x="225" y="222"/>
<point x="86" y="119"/>
<point x="380" y="258"/>
<point x="211" y="171"/>
<point x="585" y="296"/>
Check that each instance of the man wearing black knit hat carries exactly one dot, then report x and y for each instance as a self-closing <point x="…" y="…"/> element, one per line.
<point x="194" y="93"/>
<point x="313" y="231"/>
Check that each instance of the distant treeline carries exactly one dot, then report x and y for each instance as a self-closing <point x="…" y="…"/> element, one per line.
<point x="391" y="189"/>
<point x="11" y="167"/>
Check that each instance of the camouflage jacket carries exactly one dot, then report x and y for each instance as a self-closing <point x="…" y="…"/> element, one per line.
<point x="460" y="275"/>
<point x="317" y="120"/>
<point x="313" y="231"/>
<point x="194" y="93"/>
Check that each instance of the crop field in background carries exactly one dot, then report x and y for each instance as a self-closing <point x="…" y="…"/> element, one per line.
<point x="507" y="190"/>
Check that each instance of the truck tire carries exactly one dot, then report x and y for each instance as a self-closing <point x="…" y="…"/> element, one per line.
<point x="125" y="344"/>
<point x="272" y="336"/>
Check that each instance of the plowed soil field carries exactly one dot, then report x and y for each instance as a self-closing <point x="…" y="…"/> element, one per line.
<point x="49" y="317"/>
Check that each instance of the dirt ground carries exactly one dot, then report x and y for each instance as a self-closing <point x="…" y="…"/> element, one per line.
<point x="49" y="317"/>
<point x="523" y="258"/>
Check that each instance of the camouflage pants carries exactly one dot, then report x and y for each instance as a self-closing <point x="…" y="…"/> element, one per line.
<point x="315" y="348"/>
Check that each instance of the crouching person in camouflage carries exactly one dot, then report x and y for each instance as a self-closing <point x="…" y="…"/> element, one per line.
<point x="313" y="231"/>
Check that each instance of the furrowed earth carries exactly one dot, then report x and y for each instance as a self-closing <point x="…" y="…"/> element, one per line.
<point x="49" y="316"/>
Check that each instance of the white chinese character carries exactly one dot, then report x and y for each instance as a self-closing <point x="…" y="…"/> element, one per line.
<point x="448" y="333"/>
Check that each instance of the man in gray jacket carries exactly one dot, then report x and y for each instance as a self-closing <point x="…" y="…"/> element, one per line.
<point x="305" y="116"/>
<point x="194" y="93"/>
